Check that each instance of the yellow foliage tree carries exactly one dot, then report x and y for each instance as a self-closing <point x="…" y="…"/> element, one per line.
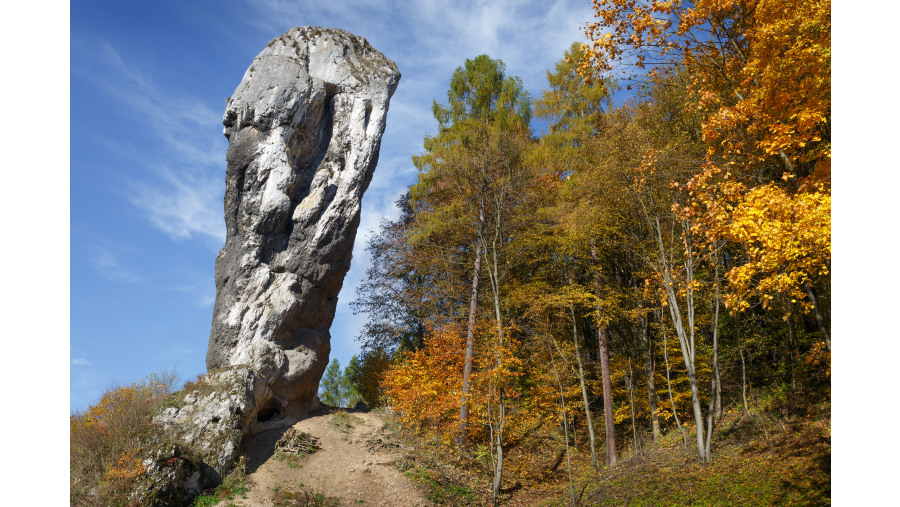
<point x="760" y="74"/>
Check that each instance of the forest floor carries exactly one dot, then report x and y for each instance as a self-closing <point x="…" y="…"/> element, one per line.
<point x="756" y="461"/>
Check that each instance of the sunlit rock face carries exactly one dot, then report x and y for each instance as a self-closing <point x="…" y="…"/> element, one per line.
<point x="304" y="128"/>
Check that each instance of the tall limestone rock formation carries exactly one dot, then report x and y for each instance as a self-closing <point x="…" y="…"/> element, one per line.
<point x="304" y="128"/>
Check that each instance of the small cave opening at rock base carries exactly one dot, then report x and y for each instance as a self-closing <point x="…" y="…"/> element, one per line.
<point x="269" y="411"/>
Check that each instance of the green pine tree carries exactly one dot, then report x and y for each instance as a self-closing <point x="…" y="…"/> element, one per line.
<point x="351" y="378"/>
<point x="333" y="385"/>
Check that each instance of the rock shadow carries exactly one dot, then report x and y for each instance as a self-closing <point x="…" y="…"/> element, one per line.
<point x="259" y="447"/>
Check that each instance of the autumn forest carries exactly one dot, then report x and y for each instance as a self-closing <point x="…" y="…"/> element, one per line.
<point x="643" y="287"/>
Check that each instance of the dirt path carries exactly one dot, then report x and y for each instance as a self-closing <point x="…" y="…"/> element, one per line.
<point x="354" y="464"/>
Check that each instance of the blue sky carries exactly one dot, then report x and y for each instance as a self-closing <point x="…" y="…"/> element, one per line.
<point x="148" y="82"/>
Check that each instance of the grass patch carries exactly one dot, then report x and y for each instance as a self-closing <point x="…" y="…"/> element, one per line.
<point x="444" y="475"/>
<point x="235" y="485"/>
<point x="439" y="490"/>
<point x="345" y="421"/>
<point x="785" y="462"/>
<point x="793" y="468"/>
<point x="303" y="498"/>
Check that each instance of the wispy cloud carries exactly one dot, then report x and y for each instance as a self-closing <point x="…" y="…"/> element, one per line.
<point x="181" y="205"/>
<point x="104" y="257"/>
<point x="184" y="203"/>
<point x="80" y="361"/>
<point x="529" y="36"/>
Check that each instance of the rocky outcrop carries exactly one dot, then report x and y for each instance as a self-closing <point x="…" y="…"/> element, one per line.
<point x="304" y="128"/>
<point x="199" y="437"/>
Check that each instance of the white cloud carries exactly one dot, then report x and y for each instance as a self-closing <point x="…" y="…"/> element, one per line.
<point x="183" y="205"/>
<point x="187" y="203"/>
<point x="80" y="361"/>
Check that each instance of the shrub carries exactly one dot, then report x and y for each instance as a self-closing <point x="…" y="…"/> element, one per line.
<point x="106" y="440"/>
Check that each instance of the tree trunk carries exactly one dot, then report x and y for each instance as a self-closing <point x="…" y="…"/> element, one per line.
<point x="698" y="416"/>
<point x="649" y="367"/>
<point x="498" y="465"/>
<point x="820" y="320"/>
<point x="604" y="374"/>
<point x="470" y="345"/>
<point x="562" y="408"/>
<point x="584" y="395"/>
<point x="744" y="382"/>
<point x="669" y="382"/>
<point x="685" y="337"/>
<point x="687" y="350"/>
<point x="793" y="349"/>
<point x="629" y="383"/>
<point x="494" y="278"/>
<point x="715" y="373"/>
<point x="718" y="394"/>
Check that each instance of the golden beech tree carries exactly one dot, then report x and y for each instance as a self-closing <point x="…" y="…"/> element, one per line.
<point x="786" y="235"/>
<point x="766" y="183"/>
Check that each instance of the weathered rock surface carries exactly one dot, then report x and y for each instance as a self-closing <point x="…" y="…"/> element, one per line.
<point x="304" y="129"/>
<point x="199" y="438"/>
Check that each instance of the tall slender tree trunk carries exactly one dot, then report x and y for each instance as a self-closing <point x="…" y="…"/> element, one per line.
<point x="604" y="373"/>
<point x="470" y="335"/>
<point x="669" y="381"/>
<point x="649" y="367"/>
<point x="607" y="395"/>
<point x="687" y="352"/>
<point x="498" y="464"/>
<point x="715" y="345"/>
<point x="565" y="421"/>
<point x="718" y="394"/>
<point x="744" y="382"/>
<point x="494" y="278"/>
<point x="584" y="394"/>
<point x="685" y="336"/>
<point x="792" y="352"/>
<point x="698" y="415"/>
<point x="629" y="383"/>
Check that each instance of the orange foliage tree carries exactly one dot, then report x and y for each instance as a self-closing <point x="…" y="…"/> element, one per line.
<point x="424" y="386"/>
